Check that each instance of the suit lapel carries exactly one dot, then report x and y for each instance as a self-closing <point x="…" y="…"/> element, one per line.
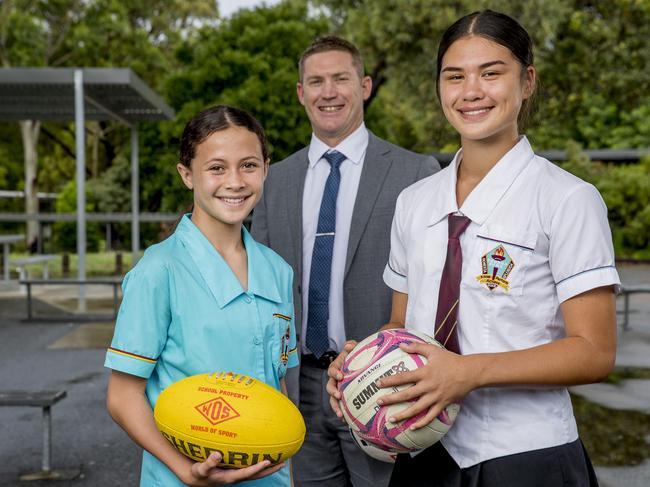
<point x="296" y="186"/>
<point x="375" y="169"/>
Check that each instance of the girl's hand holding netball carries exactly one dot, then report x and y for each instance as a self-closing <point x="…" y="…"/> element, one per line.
<point x="444" y="380"/>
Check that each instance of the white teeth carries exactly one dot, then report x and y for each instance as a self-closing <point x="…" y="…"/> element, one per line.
<point x="330" y="109"/>
<point x="476" y="112"/>
<point x="233" y="201"/>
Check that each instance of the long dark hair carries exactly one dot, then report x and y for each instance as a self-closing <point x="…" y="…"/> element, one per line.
<point x="499" y="28"/>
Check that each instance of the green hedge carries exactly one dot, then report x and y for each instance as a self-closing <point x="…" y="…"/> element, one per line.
<point x="65" y="233"/>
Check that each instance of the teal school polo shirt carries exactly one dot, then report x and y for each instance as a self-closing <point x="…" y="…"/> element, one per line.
<point x="184" y="312"/>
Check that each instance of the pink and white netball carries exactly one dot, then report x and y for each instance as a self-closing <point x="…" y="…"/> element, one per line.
<point x="372" y="359"/>
<point x="373" y="450"/>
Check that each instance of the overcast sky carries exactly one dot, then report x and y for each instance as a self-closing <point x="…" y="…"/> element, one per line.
<point x="227" y="7"/>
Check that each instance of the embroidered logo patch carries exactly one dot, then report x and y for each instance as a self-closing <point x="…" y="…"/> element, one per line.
<point x="496" y="266"/>
<point x="284" y="355"/>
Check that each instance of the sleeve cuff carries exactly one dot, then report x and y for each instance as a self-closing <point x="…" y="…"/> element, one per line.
<point x="395" y="281"/>
<point x="129" y="363"/>
<point x="586" y="281"/>
<point x="293" y="358"/>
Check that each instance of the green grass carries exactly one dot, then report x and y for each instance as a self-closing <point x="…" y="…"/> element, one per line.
<point x="97" y="264"/>
<point x="622" y="373"/>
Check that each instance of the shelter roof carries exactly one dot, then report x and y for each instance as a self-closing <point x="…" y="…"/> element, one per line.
<point x="48" y="94"/>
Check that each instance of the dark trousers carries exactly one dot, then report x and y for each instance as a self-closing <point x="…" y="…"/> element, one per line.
<point x="558" y="466"/>
<point x="329" y="457"/>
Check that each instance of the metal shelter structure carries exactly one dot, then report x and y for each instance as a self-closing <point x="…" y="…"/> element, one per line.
<point x="80" y="94"/>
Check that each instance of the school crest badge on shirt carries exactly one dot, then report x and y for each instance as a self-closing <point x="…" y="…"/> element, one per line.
<point x="284" y="355"/>
<point x="496" y="266"/>
<point x="284" y="347"/>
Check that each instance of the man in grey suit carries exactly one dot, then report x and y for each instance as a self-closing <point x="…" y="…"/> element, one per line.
<point x="327" y="209"/>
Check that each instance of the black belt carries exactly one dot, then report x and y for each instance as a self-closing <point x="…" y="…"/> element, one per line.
<point x="321" y="363"/>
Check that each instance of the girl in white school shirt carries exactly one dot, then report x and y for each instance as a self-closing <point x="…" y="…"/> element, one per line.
<point x="207" y="299"/>
<point x="536" y="308"/>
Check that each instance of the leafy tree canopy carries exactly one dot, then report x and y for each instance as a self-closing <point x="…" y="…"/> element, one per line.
<point x="593" y="60"/>
<point x="248" y="61"/>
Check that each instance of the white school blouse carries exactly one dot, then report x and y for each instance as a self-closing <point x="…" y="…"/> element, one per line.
<point x="538" y="237"/>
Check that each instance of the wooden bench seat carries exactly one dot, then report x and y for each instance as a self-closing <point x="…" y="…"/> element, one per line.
<point x="115" y="282"/>
<point x="21" y="264"/>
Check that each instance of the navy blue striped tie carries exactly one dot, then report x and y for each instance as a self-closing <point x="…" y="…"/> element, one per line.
<point x="321" y="260"/>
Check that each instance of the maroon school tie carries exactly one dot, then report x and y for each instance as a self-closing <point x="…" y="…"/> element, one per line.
<point x="447" y="314"/>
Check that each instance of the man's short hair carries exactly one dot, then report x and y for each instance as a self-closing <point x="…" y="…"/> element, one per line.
<point x="332" y="43"/>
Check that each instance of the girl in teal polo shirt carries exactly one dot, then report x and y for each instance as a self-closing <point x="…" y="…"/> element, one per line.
<point x="208" y="298"/>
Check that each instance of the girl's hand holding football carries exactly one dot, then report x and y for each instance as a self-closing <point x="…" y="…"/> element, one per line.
<point x="204" y="474"/>
<point x="445" y="379"/>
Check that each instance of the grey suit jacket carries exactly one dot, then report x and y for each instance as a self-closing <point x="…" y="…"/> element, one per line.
<point x="277" y="223"/>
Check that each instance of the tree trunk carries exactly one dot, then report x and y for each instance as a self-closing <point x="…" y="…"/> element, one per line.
<point x="30" y="130"/>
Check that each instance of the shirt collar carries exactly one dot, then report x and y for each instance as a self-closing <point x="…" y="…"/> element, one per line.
<point x="444" y="196"/>
<point x="353" y="146"/>
<point x="486" y="195"/>
<point x="261" y="273"/>
<point x="216" y="273"/>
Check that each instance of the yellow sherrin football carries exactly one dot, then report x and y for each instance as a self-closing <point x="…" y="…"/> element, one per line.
<point x="243" y="418"/>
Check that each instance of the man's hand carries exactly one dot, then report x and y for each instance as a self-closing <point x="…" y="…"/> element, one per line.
<point x="335" y="375"/>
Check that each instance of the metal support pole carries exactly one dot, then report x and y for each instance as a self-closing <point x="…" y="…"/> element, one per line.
<point x="79" y="117"/>
<point x="5" y="260"/>
<point x="115" y="301"/>
<point x="29" y="300"/>
<point x="135" y="196"/>
<point x="47" y="439"/>
<point x="39" y="242"/>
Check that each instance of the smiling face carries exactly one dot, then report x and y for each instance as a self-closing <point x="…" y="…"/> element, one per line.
<point x="227" y="176"/>
<point x="333" y="95"/>
<point x="482" y="88"/>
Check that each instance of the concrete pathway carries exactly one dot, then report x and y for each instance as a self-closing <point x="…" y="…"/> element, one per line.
<point x="630" y="394"/>
<point x="54" y="356"/>
<point x="637" y="476"/>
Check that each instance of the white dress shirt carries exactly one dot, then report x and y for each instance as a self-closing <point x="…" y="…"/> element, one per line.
<point x="354" y="149"/>
<point x="551" y="238"/>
